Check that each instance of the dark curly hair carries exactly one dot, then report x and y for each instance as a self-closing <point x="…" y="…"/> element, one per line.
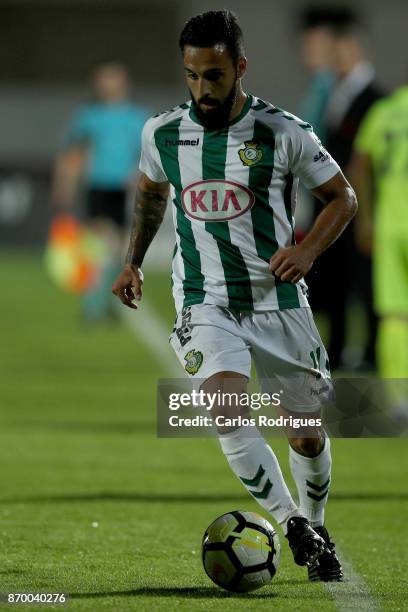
<point x="212" y="28"/>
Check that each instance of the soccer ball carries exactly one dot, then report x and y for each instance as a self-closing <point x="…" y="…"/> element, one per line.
<point x="240" y="551"/>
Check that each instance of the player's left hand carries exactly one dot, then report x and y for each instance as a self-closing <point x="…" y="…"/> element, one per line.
<point x="290" y="264"/>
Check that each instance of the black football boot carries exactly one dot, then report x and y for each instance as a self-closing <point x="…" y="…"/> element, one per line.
<point x="305" y="543"/>
<point x="327" y="567"/>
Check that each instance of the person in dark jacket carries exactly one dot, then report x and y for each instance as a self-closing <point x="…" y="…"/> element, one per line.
<point x="343" y="269"/>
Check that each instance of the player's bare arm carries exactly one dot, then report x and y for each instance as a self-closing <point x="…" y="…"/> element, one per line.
<point x="292" y="263"/>
<point x="148" y="213"/>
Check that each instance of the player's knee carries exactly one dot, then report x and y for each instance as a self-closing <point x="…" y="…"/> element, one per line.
<point x="227" y="389"/>
<point x="308" y="447"/>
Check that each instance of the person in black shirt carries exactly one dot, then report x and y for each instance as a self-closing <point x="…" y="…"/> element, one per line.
<point x="343" y="269"/>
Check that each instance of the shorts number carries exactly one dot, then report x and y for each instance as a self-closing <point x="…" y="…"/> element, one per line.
<point x="183" y="332"/>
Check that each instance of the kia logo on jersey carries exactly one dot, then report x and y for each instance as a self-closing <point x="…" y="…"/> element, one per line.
<point x="216" y="200"/>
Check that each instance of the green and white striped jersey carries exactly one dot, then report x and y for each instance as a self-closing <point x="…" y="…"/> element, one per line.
<point x="234" y="197"/>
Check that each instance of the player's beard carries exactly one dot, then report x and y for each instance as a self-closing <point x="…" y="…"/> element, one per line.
<point x="218" y="117"/>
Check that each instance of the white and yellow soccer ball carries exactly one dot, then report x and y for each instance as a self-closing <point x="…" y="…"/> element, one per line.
<point x="240" y="551"/>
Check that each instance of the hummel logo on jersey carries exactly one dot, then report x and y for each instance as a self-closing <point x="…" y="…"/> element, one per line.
<point x="182" y="143"/>
<point x="216" y="200"/>
<point x="322" y="156"/>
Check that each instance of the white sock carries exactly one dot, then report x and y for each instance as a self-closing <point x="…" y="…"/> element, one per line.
<point x="256" y="465"/>
<point x="312" y="477"/>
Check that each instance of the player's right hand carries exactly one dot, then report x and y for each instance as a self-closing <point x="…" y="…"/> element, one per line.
<point x="128" y="286"/>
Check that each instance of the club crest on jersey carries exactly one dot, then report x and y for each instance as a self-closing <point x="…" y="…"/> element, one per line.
<point x="216" y="200"/>
<point x="251" y="154"/>
<point x="193" y="359"/>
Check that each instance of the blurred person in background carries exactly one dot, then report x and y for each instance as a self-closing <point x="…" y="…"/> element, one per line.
<point x="353" y="93"/>
<point x="100" y="153"/>
<point x="380" y="175"/>
<point x="316" y="49"/>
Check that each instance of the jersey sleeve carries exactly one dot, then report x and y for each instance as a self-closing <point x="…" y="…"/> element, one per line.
<point x="150" y="163"/>
<point x="308" y="159"/>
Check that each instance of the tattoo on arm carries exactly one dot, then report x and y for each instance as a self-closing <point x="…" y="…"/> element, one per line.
<point x="148" y="214"/>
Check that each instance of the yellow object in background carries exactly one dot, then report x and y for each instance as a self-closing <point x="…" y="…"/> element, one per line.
<point x="392" y="347"/>
<point x="74" y="255"/>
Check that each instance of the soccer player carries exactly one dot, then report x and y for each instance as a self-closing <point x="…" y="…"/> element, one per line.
<point x="232" y="162"/>
<point x="381" y="180"/>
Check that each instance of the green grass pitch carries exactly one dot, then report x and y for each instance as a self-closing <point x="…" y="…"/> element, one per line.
<point x="94" y="505"/>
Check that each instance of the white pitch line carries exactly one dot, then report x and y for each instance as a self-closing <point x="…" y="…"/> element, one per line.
<point x="353" y="593"/>
<point x="149" y="328"/>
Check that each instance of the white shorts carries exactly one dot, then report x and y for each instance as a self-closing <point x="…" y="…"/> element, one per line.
<point x="285" y="345"/>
